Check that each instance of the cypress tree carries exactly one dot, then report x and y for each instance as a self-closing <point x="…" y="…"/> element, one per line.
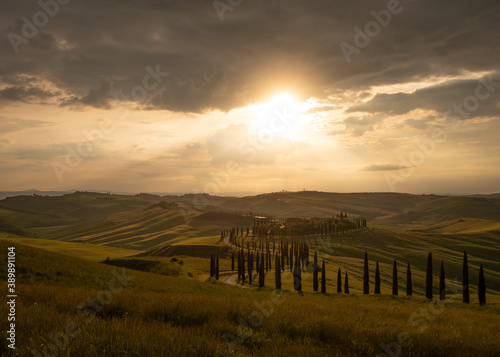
<point x="217" y="269"/>
<point x="481" y="287"/>
<point x="465" y="280"/>
<point x="366" y="285"/>
<point x="442" y="283"/>
<point x="395" y="278"/>
<point x="428" y="280"/>
<point x="377" y="279"/>
<point x="232" y="261"/>
<point x="297" y="276"/>
<point x="339" y="282"/>
<point x="409" y="286"/>
<point x="242" y="267"/>
<point x="323" y="278"/>
<point x="315" y="271"/>
<point x="261" y="272"/>
<point x="346" y="283"/>
<point x="250" y="267"/>
<point x="277" y="272"/>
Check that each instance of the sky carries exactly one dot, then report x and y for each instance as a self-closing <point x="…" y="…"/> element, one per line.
<point x="232" y="96"/>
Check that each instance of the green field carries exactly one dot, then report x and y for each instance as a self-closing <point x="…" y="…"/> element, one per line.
<point x="172" y="307"/>
<point x="156" y="315"/>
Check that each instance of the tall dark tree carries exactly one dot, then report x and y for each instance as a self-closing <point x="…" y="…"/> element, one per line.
<point x="315" y="271"/>
<point x="481" y="286"/>
<point x="277" y="271"/>
<point x="377" y="279"/>
<point x="428" y="280"/>
<point x="250" y="267"/>
<point x="297" y="275"/>
<point x="442" y="283"/>
<point x="366" y="278"/>
<point x="261" y="272"/>
<point x="409" y="286"/>
<point x="212" y="265"/>
<point x="339" y="282"/>
<point x="232" y="261"/>
<point x="243" y="273"/>
<point x="217" y="268"/>
<point x="323" y="278"/>
<point x="346" y="283"/>
<point x="395" y="278"/>
<point x="465" y="280"/>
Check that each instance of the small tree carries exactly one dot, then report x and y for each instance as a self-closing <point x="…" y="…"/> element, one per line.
<point x="366" y="286"/>
<point x="232" y="261"/>
<point x="339" y="282"/>
<point x="481" y="287"/>
<point x="442" y="283"/>
<point x="428" y="280"/>
<point x="217" y="268"/>
<point x="409" y="286"/>
<point x="315" y="271"/>
<point x="346" y="283"/>
<point x="465" y="280"/>
<point x="377" y="279"/>
<point x="323" y="278"/>
<point x="395" y="278"/>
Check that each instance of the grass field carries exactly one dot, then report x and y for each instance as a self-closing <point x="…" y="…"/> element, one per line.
<point x="156" y="315"/>
<point x="170" y="306"/>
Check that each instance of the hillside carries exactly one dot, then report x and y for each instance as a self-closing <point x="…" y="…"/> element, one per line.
<point x="156" y="315"/>
<point x="147" y="221"/>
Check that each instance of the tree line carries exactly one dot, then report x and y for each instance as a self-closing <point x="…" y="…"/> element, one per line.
<point x="296" y="257"/>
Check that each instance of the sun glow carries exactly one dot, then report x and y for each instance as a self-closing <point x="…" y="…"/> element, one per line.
<point x="281" y="116"/>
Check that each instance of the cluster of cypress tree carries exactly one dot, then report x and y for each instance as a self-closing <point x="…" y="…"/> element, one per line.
<point x="296" y="255"/>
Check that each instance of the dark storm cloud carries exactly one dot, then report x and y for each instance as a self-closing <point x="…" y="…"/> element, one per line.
<point x="260" y="47"/>
<point x="441" y="98"/>
<point x="26" y="94"/>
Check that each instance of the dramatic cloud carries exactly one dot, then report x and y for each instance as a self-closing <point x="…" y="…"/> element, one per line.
<point x="180" y="84"/>
<point x="216" y="64"/>
<point x="473" y="98"/>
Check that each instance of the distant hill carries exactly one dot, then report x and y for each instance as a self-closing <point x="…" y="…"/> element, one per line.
<point x="5" y="194"/>
<point x="147" y="221"/>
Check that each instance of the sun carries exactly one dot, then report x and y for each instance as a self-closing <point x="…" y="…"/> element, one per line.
<point x="280" y="116"/>
<point x="283" y="99"/>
